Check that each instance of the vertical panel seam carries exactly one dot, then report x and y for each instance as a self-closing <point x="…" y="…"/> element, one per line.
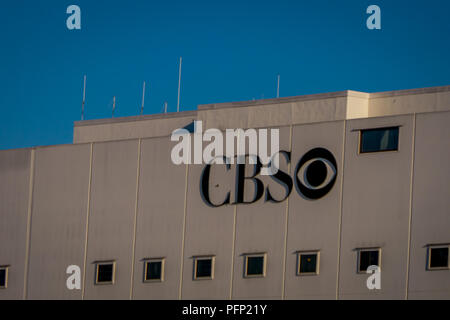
<point x="233" y="250"/>
<point x="286" y="228"/>
<point x="88" y="209"/>
<point x="28" y="235"/>
<point x="138" y="169"/>
<point x="413" y="152"/>
<point x="341" y="211"/>
<point x="184" y="233"/>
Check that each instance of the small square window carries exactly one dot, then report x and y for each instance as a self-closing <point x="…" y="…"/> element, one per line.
<point x="378" y="140"/>
<point x="255" y="265"/>
<point x="204" y="267"/>
<point x="154" y="270"/>
<point x="438" y="257"/>
<point x="3" y="277"/>
<point x="367" y="258"/>
<point x="308" y="263"/>
<point x="105" y="273"/>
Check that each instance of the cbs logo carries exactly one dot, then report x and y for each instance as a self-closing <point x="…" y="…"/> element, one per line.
<point x="314" y="176"/>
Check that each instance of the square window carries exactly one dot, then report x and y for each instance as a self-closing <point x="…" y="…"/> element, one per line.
<point x="378" y="140"/>
<point x="255" y="265"/>
<point x="203" y="268"/>
<point x="308" y="263"/>
<point x="3" y="277"/>
<point x="154" y="270"/>
<point x="438" y="257"/>
<point x="367" y="258"/>
<point x="105" y="273"/>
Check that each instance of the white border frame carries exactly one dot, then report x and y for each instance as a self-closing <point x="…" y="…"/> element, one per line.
<point x="150" y="260"/>
<point x="358" y="271"/>
<point x="213" y="262"/>
<point x="255" y="255"/>
<point x="437" y="246"/>
<point x="101" y="263"/>
<point x="6" y="268"/>
<point x="309" y="252"/>
<point x="360" y="136"/>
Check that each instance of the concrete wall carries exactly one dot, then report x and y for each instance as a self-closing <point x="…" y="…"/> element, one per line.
<point x="431" y="202"/>
<point x="160" y="219"/>
<point x="112" y="214"/>
<point x="58" y="224"/>
<point x="157" y="125"/>
<point x="277" y="113"/>
<point x="409" y="101"/>
<point x="125" y="201"/>
<point x="314" y="225"/>
<point x="286" y="111"/>
<point x="376" y="210"/>
<point x="209" y="231"/>
<point x="261" y="228"/>
<point x="15" y="175"/>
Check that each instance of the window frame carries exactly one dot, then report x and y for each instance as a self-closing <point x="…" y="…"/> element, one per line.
<point x="6" y="268"/>
<point x="437" y="246"/>
<point x="309" y="252"/>
<point x="361" y="131"/>
<point x="100" y="263"/>
<point x="360" y="250"/>
<point x="150" y="260"/>
<point x="255" y="255"/>
<point x="206" y="257"/>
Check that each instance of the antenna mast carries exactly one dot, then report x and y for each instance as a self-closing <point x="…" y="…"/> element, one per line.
<point x="143" y="97"/>
<point x="278" y="86"/>
<point x="114" y="106"/>
<point x="179" y="84"/>
<point x="84" y="98"/>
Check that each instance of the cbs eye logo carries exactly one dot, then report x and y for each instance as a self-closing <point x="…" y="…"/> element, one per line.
<point x="316" y="173"/>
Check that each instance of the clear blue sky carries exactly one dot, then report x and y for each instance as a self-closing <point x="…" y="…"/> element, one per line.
<point x="232" y="50"/>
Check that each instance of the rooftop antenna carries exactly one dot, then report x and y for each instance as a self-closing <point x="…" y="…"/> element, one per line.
<point x="114" y="106"/>
<point x="179" y="84"/>
<point x="278" y="86"/>
<point x="165" y="107"/>
<point x="143" y="97"/>
<point x="84" y="98"/>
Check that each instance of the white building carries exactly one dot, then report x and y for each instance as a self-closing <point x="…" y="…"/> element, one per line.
<point x="139" y="227"/>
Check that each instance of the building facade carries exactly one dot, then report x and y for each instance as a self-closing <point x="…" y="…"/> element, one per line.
<point x="377" y="192"/>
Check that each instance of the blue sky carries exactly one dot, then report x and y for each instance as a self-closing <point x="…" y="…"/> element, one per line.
<point x="232" y="51"/>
